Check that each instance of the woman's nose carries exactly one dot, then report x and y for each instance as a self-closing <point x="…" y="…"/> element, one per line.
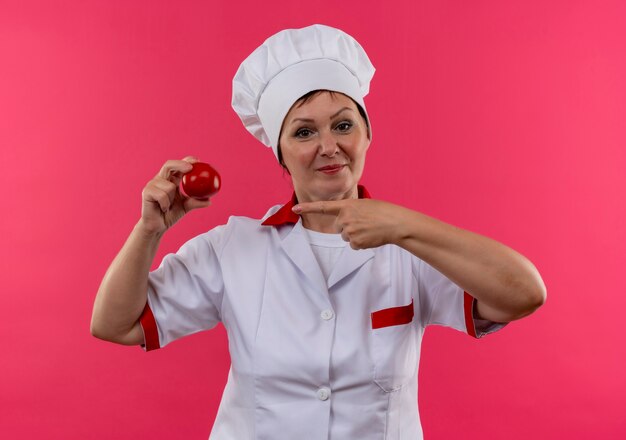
<point x="328" y="145"/>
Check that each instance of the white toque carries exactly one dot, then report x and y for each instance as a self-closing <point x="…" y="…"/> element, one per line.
<point x="290" y="64"/>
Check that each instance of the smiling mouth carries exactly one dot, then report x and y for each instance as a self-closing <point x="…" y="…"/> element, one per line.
<point x="330" y="168"/>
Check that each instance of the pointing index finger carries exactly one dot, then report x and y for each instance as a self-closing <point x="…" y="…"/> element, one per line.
<point x="325" y="207"/>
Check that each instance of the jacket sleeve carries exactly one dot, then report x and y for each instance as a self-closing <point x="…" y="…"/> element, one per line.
<point x="185" y="292"/>
<point x="444" y="303"/>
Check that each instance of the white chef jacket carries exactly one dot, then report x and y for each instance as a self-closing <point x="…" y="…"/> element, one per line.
<point x="310" y="358"/>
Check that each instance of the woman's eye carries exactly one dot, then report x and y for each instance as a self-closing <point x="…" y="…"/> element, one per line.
<point x="344" y="126"/>
<point x="303" y="133"/>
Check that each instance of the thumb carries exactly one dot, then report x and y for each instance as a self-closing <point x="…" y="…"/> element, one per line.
<point x="191" y="203"/>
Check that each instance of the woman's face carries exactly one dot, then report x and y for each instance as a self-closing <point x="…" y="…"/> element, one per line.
<point x="323" y="144"/>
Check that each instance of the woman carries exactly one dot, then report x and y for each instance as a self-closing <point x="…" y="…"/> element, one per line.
<point x="326" y="298"/>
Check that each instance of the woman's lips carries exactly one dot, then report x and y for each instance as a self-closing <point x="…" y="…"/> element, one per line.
<point x="331" y="169"/>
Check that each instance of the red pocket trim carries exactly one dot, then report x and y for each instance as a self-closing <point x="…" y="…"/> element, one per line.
<point x="393" y="316"/>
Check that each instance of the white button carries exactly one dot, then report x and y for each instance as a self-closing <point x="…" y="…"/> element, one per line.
<point x="323" y="393"/>
<point x="327" y="314"/>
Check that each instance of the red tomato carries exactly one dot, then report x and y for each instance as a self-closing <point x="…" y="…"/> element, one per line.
<point x="202" y="181"/>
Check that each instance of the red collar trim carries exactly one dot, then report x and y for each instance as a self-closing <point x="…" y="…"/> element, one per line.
<point x="285" y="215"/>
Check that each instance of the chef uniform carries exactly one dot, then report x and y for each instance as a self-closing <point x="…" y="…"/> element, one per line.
<point x="319" y="349"/>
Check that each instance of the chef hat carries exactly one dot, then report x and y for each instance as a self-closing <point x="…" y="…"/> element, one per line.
<point x="290" y="64"/>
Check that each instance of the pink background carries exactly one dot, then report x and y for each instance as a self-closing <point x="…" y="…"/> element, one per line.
<point x="504" y="118"/>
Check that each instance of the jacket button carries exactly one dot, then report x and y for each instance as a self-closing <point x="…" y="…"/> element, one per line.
<point x="327" y="314"/>
<point x="323" y="393"/>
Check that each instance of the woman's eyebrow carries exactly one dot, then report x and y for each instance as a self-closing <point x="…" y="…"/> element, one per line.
<point x="345" y="108"/>
<point x="312" y="120"/>
<point x="302" y="120"/>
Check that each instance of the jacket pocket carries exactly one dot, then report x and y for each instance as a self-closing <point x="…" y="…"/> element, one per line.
<point x="394" y="346"/>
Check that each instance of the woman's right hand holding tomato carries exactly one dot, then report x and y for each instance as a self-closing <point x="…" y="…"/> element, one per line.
<point x="123" y="292"/>
<point x="163" y="203"/>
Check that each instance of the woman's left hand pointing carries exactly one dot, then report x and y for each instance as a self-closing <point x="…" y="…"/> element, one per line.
<point x="364" y="223"/>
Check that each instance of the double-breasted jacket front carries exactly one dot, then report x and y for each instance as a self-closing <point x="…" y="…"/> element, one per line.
<point x="311" y="358"/>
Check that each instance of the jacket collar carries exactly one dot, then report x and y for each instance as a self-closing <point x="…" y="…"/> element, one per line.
<point x="285" y="215"/>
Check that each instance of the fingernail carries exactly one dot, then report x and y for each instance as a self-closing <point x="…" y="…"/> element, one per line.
<point x="297" y="209"/>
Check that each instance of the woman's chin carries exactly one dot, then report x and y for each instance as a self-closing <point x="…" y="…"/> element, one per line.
<point x="337" y="191"/>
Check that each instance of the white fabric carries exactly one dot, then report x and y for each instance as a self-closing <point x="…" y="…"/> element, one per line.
<point x="290" y="64"/>
<point x="327" y="248"/>
<point x="306" y="363"/>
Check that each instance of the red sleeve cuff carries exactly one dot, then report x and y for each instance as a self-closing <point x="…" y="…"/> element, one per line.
<point x="468" y="305"/>
<point x="150" y="332"/>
